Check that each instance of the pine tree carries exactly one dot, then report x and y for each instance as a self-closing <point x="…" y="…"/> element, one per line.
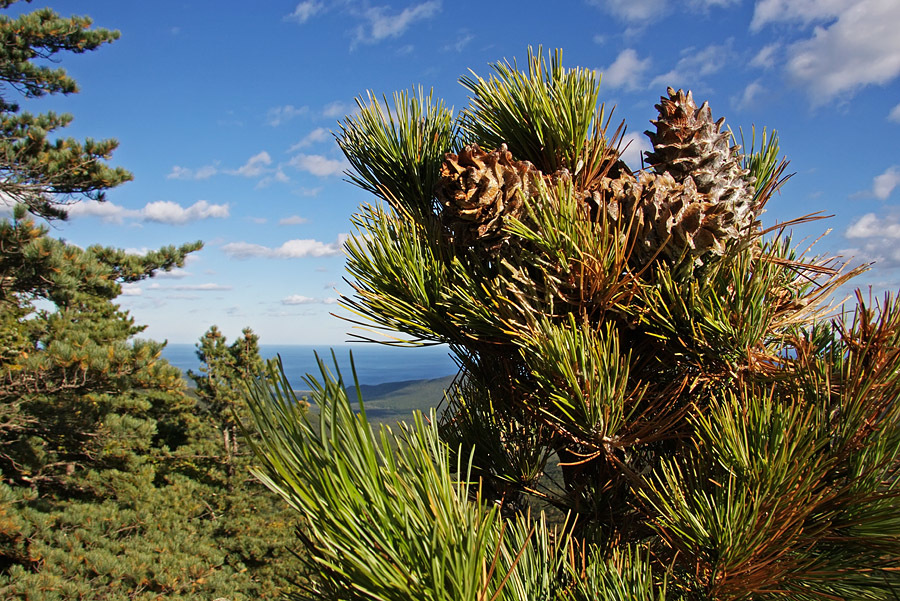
<point x="255" y="529"/>
<point x="38" y="172"/>
<point x="111" y="485"/>
<point x="654" y="400"/>
<point x="220" y="384"/>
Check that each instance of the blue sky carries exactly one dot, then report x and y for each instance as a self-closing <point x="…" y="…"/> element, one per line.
<point x="223" y="111"/>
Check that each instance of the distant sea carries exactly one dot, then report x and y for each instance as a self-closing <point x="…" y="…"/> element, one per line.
<point x="375" y="364"/>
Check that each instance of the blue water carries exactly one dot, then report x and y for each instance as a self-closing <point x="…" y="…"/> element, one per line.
<point x="375" y="364"/>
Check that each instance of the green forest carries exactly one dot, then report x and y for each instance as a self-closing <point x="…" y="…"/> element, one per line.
<point x="655" y="401"/>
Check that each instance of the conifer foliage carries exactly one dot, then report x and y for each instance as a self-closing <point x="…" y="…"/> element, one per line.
<point x="115" y="482"/>
<point x="42" y="173"/>
<point x="643" y="366"/>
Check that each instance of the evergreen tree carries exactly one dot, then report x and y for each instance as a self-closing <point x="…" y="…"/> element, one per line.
<point x="643" y="364"/>
<point x="42" y="173"/>
<point x="117" y="483"/>
<point x="220" y="384"/>
<point x="111" y="484"/>
<point x="256" y="528"/>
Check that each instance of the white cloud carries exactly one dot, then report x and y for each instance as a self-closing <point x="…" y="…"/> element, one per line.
<point x="107" y="211"/>
<point x="802" y="11"/>
<point x="292" y="220"/>
<point x="173" y="274"/>
<point x="765" y="58"/>
<point x="894" y="115"/>
<point x="694" y="65"/>
<point x="460" y="44"/>
<point x="379" y="24"/>
<point x="201" y="173"/>
<point x="160" y="211"/>
<point x="881" y="251"/>
<point x="308" y="191"/>
<point x="626" y="71"/>
<point x="318" y="165"/>
<point x="878" y="236"/>
<point x="337" y="109"/>
<point x="633" y="10"/>
<point x="282" y="114"/>
<point x="129" y="289"/>
<point x="871" y="225"/>
<point x="637" y="145"/>
<point x="202" y="287"/>
<point x="304" y="11"/>
<point x="191" y="287"/>
<point x="707" y="4"/>
<point x="292" y="249"/>
<point x="166" y="211"/>
<point x="853" y="45"/>
<point x="299" y="299"/>
<point x="884" y="184"/>
<point x="320" y="134"/>
<point x="749" y="96"/>
<point x="255" y="165"/>
<point x="279" y="176"/>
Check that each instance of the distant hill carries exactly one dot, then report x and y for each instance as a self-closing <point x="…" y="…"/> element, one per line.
<point x="400" y="399"/>
<point x="393" y="402"/>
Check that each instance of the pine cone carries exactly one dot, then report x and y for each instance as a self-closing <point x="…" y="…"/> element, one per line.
<point x="689" y="144"/>
<point x="656" y="208"/>
<point x="479" y="189"/>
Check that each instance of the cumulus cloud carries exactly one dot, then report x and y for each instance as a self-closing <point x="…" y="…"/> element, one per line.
<point x="200" y="173"/>
<point x="871" y="225"/>
<point x="292" y="220"/>
<point x="626" y="71"/>
<point x="637" y="145"/>
<point x="695" y="64"/>
<point x="160" y="211"/>
<point x="320" y="134"/>
<point x="292" y="249"/>
<point x="379" y="23"/>
<point x="173" y="274"/>
<point x="129" y="289"/>
<point x="877" y="236"/>
<point x="304" y="11"/>
<point x="894" y="115"/>
<point x="107" y="211"/>
<point x="884" y="184"/>
<point x="255" y="166"/>
<point x="319" y="165"/>
<point x="853" y="45"/>
<point x="166" y="211"/>
<point x="282" y="114"/>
